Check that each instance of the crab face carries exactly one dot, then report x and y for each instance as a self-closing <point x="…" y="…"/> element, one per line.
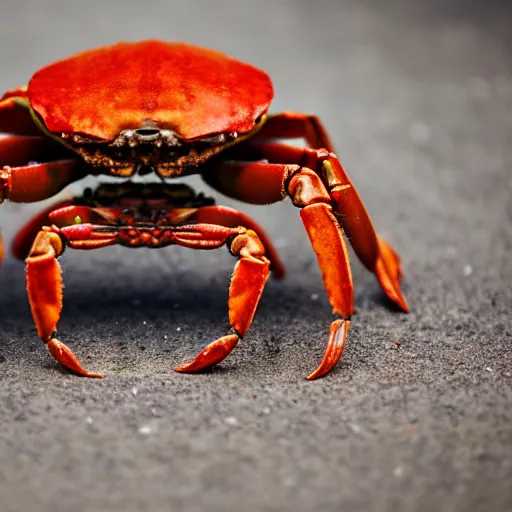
<point x="163" y="106"/>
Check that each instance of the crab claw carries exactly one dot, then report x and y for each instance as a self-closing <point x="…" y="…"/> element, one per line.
<point x="335" y="345"/>
<point x="65" y="357"/>
<point x="214" y="353"/>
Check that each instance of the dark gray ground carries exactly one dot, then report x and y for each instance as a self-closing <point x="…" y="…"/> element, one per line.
<point x="419" y="104"/>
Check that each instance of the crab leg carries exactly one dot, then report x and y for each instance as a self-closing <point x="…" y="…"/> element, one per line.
<point x="249" y="278"/>
<point x="65" y="212"/>
<point x="15" y="115"/>
<point x="44" y="276"/>
<point x="229" y="217"/>
<point x="375" y="253"/>
<point x="20" y="149"/>
<point x="236" y="180"/>
<point x="309" y="193"/>
<point x="20" y="142"/>
<point x="331" y="251"/>
<point x="25" y="237"/>
<point x="36" y="182"/>
<point x="294" y="125"/>
<point x="44" y="288"/>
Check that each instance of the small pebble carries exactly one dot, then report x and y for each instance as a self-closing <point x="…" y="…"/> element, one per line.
<point x="178" y="329"/>
<point x="231" y="420"/>
<point x="355" y="428"/>
<point x="467" y="270"/>
<point x="144" y="322"/>
<point x="398" y="471"/>
<point x="165" y="336"/>
<point x="88" y="420"/>
<point x="134" y="391"/>
<point x="314" y="296"/>
<point x="266" y="410"/>
<point x="488" y="369"/>
<point x="145" y="430"/>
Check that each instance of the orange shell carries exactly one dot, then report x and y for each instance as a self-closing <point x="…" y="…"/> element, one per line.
<point x="194" y="91"/>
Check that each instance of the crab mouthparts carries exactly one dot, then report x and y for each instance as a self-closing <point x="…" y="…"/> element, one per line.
<point x="146" y="135"/>
<point x="147" y="149"/>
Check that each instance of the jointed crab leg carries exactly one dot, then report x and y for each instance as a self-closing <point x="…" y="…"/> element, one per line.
<point x="308" y="192"/>
<point x="26" y="236"/>
<point x="44" y="279"/>
<point x="15" y="116"/>
<point x="225" y="216"/>
<point x="36" y="182"/>
<point x="44" y="288"/>
<point x="22" y="142"/>
<point x="374" y="253"/>
<point x="281" y="163"/>
<point x="249" y="278"/>
<point x="64" y="213"/>
<point x="20" y="149"/>
<point x="294" y="125"/>
<point x="332" y="254"/>
<point x="49" y="166"/>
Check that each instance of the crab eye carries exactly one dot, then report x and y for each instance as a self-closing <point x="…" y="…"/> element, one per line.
<point x="78" y="219"/>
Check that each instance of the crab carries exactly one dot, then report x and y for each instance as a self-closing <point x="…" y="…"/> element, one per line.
<point x="174" y="109"/>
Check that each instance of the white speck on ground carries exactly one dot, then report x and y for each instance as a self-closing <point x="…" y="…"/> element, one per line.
<point x="145" y="430"/>
<point x="467" y="270"/>
<point x="355" y="428"/>
<point x="398" y="471"/>
<point x="231" y="421"/>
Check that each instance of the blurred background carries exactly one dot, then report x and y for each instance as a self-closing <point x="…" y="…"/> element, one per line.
<point x="417" y="98"/>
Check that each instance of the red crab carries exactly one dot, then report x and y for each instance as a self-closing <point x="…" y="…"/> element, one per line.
<point x="175" y="109"/>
